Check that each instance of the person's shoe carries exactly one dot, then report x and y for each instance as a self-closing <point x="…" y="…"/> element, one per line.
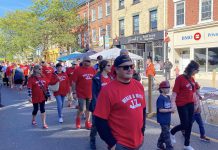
<point x="188" y="148"/>
<point x="60" y="120"/>
<point x="161" y="147"/>
<point x="45" y="126"/>
<point x="92" y="145"/>
<point x="204" y="138"/>
<point x="78" y="126"/>
<point x="34" y="123"/>
<point x="88" y="125"/>
<point x="172" y="138"/>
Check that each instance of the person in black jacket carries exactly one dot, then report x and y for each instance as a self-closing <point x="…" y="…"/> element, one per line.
<point x="100" y="79"/>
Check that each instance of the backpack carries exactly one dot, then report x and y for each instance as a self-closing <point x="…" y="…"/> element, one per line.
<point x="18" y="74"/>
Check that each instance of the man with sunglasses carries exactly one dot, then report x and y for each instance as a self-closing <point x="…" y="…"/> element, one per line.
<point x="82" y="90"/>
<point x="121" y="108"/>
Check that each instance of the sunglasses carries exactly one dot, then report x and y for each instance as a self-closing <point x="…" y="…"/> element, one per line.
<point x="127" y="67"/>
<point x="108" y="65"/>
<point x="88" y="61"/>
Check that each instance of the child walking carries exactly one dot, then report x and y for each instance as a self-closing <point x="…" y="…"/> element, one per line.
<point x="164" y="111"/>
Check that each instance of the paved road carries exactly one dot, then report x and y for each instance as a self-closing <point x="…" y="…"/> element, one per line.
<point x="16" y="132"/>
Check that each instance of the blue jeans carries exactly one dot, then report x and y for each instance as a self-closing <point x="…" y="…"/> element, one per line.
<point x="198" y="119"/>
<point x="60" y="104"/>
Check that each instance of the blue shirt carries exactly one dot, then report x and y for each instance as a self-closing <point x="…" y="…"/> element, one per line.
<point x="163" y="103"/>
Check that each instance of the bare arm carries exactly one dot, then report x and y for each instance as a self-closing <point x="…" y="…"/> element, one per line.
<point x="166" y="110"/>
<point x="173" y="101"/>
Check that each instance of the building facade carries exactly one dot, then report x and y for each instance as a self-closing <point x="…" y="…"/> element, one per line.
<point x="96" y="32"/>
<point x="138" y="26"/>
<point x="193" y="33"/>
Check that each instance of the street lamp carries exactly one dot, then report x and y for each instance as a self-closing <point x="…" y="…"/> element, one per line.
<point x="103" y="33"/>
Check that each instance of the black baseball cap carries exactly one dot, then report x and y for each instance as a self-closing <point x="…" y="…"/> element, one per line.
<point x="121" y="59"/>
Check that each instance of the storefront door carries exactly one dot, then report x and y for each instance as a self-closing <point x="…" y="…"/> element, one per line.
<point x="184" y="59"/>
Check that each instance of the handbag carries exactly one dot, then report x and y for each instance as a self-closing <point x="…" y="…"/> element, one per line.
<point x="42" y="88"/>
<point x="55" y="87"/>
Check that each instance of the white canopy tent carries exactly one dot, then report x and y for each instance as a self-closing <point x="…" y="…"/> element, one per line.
<point x="113" y="53"/>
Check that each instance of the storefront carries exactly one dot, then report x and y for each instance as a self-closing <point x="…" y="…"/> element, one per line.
<point x="149" y="44"/>
<point x="199" y="44"/>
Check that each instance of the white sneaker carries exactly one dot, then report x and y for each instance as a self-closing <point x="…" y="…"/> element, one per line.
<point x="172" y="138"/>
<point x="188" y="148"/>
<point x="60" y="120"/>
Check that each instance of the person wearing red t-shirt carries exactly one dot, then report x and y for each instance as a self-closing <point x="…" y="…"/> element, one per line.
<point x="82" y="90"/>
<point x="26" y="71"/>
<point x="100" y="80"/>
<point x="183" y="99"/>
<point x="64" y="88"/>
<point x="38" y="93"/>
<point x="70" y="71"/>
<point x="121" y="109"/>
<point x="47" y="70"/>
<point x="9" y="73"/>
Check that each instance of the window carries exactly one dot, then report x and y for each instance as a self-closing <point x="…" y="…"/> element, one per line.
<point x="93" y="15"/>
<point x="100" y="32"/>
<point x="79" y="40"/>
<point x="212" y="59"/>
<point x="153" y="20"/>
<point x="99" y="12"/>
<point x="121" y="4"/>
<point x="85" y="17"/>
<point x="180" y="13"/>
<point x="108" y="8"/>
<point x="108" y="30"/>
<point x="200" y="57"/>
<point x="205" y="10"/>
<point x="86" y="38"/>
<point x="136" y="24"/>
<point x="136" y="1"/>
<point x="121" y="27"/>
<point x="94" y="35"/>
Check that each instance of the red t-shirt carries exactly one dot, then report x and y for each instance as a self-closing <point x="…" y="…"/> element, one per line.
<point x="25" y="69"/>
<point x="105" y="81"/>
<point x="37" y="93"/>
<point x="113" y="72"/>
<point x="70" y="72"/>
<point x="122" y="105"/>
<point x="64" y="86"/>
<point x="47" y="72"/>
<point x="83" y="78"/>
<point x="9" y="70"/>
<point x="184" y="90"/>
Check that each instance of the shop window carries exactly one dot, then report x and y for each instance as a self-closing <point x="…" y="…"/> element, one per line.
<point x="200" y="57"/>
<point x="136" y="1"/>
<point x="153" y="20"/>
<point x="158" y="56"/>
<point x="180" y="13"/>
<point x="136" y="24"/>
<point x="108" y="30"/>
<point x="206" y="10"/>
<point x="212" y="59"/>
<point x="121" y="27"/>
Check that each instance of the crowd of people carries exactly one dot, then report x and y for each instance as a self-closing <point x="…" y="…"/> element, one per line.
<point x="112" y="98"/>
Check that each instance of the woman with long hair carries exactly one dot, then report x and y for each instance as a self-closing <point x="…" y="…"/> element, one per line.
<point x="64" y="88"/>
<point x="100" y="80"/>
<point x="183" y="98"/>
<point x="38" y="93"/>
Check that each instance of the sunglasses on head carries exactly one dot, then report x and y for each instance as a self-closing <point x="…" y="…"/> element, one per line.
<point x="126" y="67"/>
<point x="87" y="61"/>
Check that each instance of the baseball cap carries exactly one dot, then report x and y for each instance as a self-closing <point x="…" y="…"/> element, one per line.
<point x="164" y="84"/>
<point x="121" y="59"/>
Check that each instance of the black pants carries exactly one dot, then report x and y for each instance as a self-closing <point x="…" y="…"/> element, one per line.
<point x="36" y="108"/>
<point x="93" y="132"/>
<point x="186" y="115"/>
<point x="165" y="137"/>
<point x="25" y="82"/>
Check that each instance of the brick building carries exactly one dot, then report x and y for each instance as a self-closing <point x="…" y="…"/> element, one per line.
<point x="96" y="32"/>
<point x="138" y="26"/>
<point x="193" y="33"/>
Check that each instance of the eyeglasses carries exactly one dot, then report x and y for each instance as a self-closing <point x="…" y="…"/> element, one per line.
<point x="108" y="65"/>
<point x="126" y="67"/>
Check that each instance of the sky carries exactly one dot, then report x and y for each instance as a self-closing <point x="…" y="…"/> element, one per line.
<point x="11" y="5"/>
